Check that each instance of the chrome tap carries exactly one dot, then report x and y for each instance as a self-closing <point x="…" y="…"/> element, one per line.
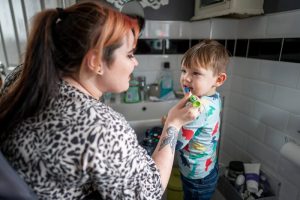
<point x="2" y="74"/>
<point x="2" y="69"/>
<point x="142" y="87"/>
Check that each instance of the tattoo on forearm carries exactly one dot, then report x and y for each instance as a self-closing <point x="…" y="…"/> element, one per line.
<point x="171" y="138"/>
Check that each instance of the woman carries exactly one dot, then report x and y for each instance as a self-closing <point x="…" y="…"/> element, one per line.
<point x="56" y="133"/>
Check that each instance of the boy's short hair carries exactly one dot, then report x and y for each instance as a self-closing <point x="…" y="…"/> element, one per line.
<point x="207" y="54"/>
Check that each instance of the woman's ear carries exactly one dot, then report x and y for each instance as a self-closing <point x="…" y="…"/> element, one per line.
<point x="221" y="79"/>
<point x="93" y="63"/>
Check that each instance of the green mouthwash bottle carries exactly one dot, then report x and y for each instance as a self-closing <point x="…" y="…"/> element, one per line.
<point x="132" y="95"/>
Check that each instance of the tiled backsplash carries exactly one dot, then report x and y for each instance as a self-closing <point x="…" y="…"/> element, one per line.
<point x="262" y="93"/>
<point x="278" y="49"/>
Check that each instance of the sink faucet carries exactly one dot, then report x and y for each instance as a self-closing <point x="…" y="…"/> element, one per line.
<point x="2" y="74"/>
<point x="2" y="69"/>
<point x="142" y="87"/>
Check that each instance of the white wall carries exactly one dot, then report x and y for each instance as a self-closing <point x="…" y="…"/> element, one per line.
<point x="262" y="98"/>
<point x="263" y="108"/>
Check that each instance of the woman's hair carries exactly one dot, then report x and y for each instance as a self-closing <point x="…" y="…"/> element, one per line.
<point x="207" y="54"/>
<point x="57" y="45"/>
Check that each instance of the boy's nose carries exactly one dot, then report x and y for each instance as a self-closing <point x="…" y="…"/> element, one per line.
<point x="187" y="78"/>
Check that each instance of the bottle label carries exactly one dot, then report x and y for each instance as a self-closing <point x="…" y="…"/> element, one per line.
<point x="132" y="95"/>
<point x="166" y="84"/>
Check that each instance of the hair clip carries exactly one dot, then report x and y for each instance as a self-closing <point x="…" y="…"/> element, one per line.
<point x="61" y="14"/>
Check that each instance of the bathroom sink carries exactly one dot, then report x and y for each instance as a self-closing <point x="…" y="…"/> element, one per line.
<point x="144" y="115"/>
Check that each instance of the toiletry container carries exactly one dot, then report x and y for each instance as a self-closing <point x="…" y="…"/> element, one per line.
<point x="174" y="188"/>
<point x="166" y="80"/>
<point x="132" y="95"/>
<point x="236" y="168"/>
<point x="154" y="90"/>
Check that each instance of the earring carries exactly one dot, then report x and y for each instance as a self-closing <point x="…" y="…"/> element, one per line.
<point x="100" y="72"/>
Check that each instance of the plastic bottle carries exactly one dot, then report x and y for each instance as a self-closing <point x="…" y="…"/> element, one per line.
<point x="239" y="183"/>
<point x="166" y="80"/>
<point x="132" y="95"/>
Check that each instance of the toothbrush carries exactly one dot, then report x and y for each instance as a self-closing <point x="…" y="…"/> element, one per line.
<point x="186" y="89"/>
<point x="195" y="101"/>
<point x="193" y="98"/>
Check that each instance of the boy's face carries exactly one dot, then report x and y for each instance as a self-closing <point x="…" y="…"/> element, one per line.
<point x="201" y="81"/>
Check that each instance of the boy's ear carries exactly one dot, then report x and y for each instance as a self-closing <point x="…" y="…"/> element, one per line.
<point x="221" y="79"/>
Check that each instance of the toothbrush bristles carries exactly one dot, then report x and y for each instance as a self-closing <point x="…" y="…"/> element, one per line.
<point x="186" y="89"/>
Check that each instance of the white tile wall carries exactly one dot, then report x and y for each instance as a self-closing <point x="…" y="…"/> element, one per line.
<point x="242" y="103"/>
<point x="270" y="93"/>
<point x="201" y="29"/>
<point x="263" y="154"/>
<point x="266" y="109"/>
<point x="257" y="89"/>
<point x="272" y="72"/>
<point x="236" y="135"/>
<point x="224" y="28"/>
<point x="288" y="190"/>
<point x="167" y="29"/>
<point x="293" y="127"/>
<point x="287" y="98"/>
<point x="274" y="138"/>
<point x="287" y="170"/>
<point x="262" y="104"/>
<point x="285" y="24"/>
<point x="254" y="27"/>
<point x="248" y="68"/>
<point x="271" y="116"/>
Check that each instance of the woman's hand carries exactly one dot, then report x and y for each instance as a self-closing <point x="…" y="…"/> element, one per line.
<point x="181" y="113"/>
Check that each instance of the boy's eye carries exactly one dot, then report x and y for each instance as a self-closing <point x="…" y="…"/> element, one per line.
<point x="196" y="73"/>
<point x="183" y="71"/>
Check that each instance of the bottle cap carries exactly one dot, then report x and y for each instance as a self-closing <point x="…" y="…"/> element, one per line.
<point x="240" y="180"/>
<point x="166" y="65"/>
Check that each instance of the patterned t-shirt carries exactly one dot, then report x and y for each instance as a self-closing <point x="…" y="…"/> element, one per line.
<point x="198" y="140"/>
<point x="77" y="145"/>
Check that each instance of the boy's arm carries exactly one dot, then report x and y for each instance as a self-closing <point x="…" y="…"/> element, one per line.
<point x="187" y="132"/>
<point x="182" y="140"/>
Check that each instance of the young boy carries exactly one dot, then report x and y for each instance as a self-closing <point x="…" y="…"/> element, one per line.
<point x="203" y="70"/>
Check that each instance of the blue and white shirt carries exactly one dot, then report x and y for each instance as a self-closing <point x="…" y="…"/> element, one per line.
<point x="198" y="140"/>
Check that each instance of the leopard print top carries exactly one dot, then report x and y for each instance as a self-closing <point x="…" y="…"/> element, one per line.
<point x="77" y="145"/>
